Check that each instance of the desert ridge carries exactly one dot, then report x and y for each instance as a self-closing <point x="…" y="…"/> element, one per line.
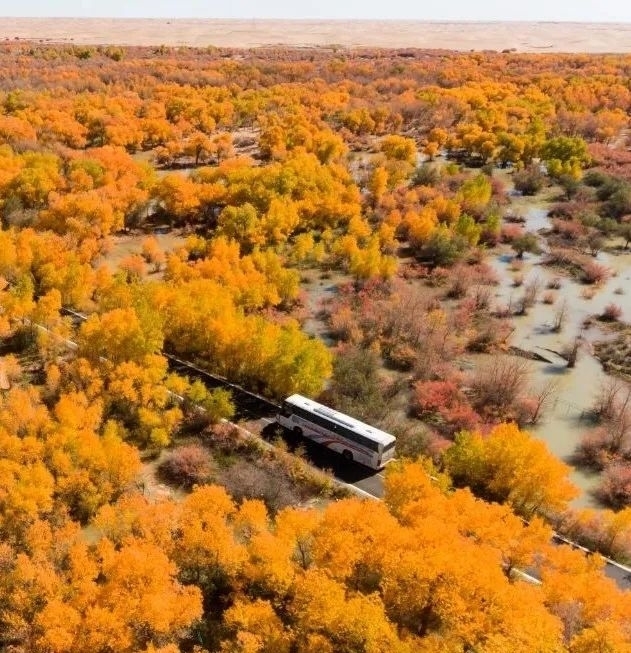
<point x="463" y="36"/>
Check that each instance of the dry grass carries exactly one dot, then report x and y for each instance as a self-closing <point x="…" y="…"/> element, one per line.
<point x="615" y="355"/>
<point x="125" y="245"/>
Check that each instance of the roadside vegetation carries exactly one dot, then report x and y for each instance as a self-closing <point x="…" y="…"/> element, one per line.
<point x="225" y="206"/>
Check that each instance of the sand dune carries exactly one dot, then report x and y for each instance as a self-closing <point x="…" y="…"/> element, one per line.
<point x="523" y="37"/>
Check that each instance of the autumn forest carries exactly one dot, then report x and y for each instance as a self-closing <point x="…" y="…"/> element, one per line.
<point x="335" y="223"/>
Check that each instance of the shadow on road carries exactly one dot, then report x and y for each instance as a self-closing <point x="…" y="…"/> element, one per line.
<point x="318" y="455"/>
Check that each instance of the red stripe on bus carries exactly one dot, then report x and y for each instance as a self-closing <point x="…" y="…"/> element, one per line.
<point x="341" y="442"/>
<point x="344" y="443"/>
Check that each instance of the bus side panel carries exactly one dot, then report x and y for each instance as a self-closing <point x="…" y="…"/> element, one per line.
<point x="329" y="440"/>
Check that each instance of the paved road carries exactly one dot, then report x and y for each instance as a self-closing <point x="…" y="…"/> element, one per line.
<point x="619" y="573"/>
<point x="361" y="477"/>
<point x="251" y="405"/>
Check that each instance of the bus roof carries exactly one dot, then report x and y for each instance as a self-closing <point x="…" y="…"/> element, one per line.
<point x="341" y="418"/>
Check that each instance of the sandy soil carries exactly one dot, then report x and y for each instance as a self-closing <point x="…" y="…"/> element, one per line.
<point x="124" y="245"/>
<point x="523" y="37"/>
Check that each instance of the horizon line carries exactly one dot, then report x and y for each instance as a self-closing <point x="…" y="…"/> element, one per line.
<point x="337" y="19"/>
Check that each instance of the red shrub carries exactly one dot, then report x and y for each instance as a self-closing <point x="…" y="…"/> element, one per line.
<point x="187" y="466"/>
<point x="445" y="371"/>
<point x="563" y="257"/>
<point x="489" y="237"/>
<point x="224" y="435"/>
<point x="439" y="276"/>
<point x="484" y="275"/>
<point x="459" y="417"/>
<point x="413" y="271"/>
<point x="568" y="229"/>
<point x="431" y="396"/>
<point x="491" y="333"/>
<point x="343" y="323"/>
<point x="444" y="398"/>
<point x="614" y="161"/>
<point x="595" y="273"/>
<point x="598" y="530"/>
<point x="593" y="449"/>
<point x="510" y="232"/>
<point x="615" y="487"/>
<point x="567" y="210"/>
<point x="402" y="356"/>
<point x="436" y="445"/>
<point x="611" y="313"/>
<point x="461" y="278"/>
<point x="498" y="190"/>
<point x="524" y="410"/>
<point x="603" y="154"/>
<point x="463" y="316"/>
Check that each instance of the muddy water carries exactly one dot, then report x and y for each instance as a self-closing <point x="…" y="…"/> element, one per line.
<point x="565" y="421"/>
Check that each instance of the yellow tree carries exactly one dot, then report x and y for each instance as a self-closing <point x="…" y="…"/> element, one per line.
<point x="509" y="465"/>
<point x="118" y="335"/>
<point x="378" y="184"/>
<point x="207" y="552"/>
<point x="255" y="628"/>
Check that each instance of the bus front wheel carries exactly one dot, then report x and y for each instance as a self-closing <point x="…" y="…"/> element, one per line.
<point x="347" y="455"/>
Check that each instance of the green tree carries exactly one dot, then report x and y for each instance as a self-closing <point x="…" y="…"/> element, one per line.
<point x="217" y="404"/>
<point x="355" y="387"/>
<point x="527" y="242"/>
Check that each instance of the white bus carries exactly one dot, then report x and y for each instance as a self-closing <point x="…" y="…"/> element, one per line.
<point x="350" y="437"/>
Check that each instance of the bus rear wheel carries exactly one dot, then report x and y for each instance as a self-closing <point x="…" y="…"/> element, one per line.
<point x="297" y="431"/>
<point x="347" y="455"/>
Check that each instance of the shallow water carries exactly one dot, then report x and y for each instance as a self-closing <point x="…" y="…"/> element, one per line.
<point x="537" y="219"/>
<point x="565" y="422"/>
